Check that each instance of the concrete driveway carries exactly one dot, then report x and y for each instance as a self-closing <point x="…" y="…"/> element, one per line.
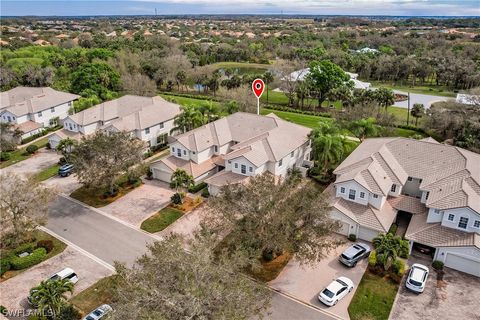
<point x="41" y="160"/>
<point x="304" y="283"/>
<point x="139" y="204"/>
<point x="16" y="290"/>
<point x="64" y="185"/>
<point x="424" y="99"/>
<point x="456" y="297"/>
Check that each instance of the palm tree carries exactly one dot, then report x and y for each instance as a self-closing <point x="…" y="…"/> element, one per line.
<point x="189" y="119"/>
<point x="417" y="111"/>
<point x="209" y="112"/>
<point x="181" y="179"/>
<point x="65" y="146"/>
<point x="267" y="78"/>
<point x="388" y="248"/>
<point x="363" y="128"/>
<point x="49" y="296"/>
<point x="384" y="97"/>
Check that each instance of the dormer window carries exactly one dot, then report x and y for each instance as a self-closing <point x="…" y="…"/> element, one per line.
<point x="426" y="196"/>
<point x="215" y="148"/>
<point x="342" y="190"/>
<point x="147" y="130"/>
<point x="375" y="196"/>
<point x="410" y="179"/>
<point x="394" y="188"/>
<point x="463" y="222"/>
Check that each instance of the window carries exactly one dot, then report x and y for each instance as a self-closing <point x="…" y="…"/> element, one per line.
<point x="70" y="104"/>
<point x="476" y="224"/>
<point x="292" y="153"/>
<point x="243" y="169"/>
<point x="147" y="131"/>
<point x="215" y="148"/>
<point x="250" y="169"/>
<point x="184" y="152"/>
<point x="161" y="125"/>
<point x="410" y="179"/>
<point x="9" y="119"/>
<point x="179" y="152"/>
<point x="39" y="114"/>
<point x="451" y="217"/>
<point x="52" y="109"/>
<point x="173" y="149"/>
<point x="426" y="196"/>
<point x="236" y="165"/>
<point x="351" y="194"/>
<point x="436" y="211"/>
<point x="463" y="222"/>
<point x="362" y="195"/>
<point x="342" y="190"/>
<point x="394" y="188"/>
<point x="280" y="162"/>
<point x="375" y="196"/>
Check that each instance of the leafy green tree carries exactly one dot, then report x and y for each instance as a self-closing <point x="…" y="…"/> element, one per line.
<point x="329" y="146"/>
<point x="189" y="119"/>
<point x="363" y="128"/>
<point x="323" y="77"/>
<point x="230" y="107"/>
<point x="170" y="283"/>
<point x="9" y="136"/>
<point x="50" y="296"/>
<point x="418" y="110"/>
<point x="384" y="97"/>
<point x="267" y="217"/>
<point x="97" y="78"/>
<point x="65" y="146"/>
<point x="100" y="159"/>
<point x="209" y="111"/>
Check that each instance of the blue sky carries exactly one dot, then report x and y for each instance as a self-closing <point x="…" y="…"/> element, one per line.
<point x="320" y="7"/>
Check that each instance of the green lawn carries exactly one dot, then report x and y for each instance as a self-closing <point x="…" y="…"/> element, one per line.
<point x="298" y="118"/>
<point x="97" y="294"/>
<point x="240" y="65"/>
<point x="275" y="97"/>
<point x="161" y="220"/>
<point x="21" y="154"/>
<point x="187" y="101"/>
<point x="422" y="89"/>
<point x="373" y="299"/>
<point x="47" y="173"/>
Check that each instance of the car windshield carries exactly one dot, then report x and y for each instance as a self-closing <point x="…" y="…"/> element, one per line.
<point x="55" y="277"/>
<point x="415" y="283"/>
<point x="97" y="312"/>
<point x="89" y="318"/>
<point x="328" y="293"/>
<point x="342" y="283"/>
<point x="344" y="256"/>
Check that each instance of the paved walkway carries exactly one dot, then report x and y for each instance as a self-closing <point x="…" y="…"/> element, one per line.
<point x="141" y="203"/>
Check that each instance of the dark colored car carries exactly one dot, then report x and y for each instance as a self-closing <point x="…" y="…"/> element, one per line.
<point x="354" y="253"/>
<point x="65" y="170"/>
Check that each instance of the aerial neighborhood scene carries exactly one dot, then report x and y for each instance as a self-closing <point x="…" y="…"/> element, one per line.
<point x="204" y="160"/>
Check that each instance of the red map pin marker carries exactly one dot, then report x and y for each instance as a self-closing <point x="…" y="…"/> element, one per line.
<point x="258" y="86"/>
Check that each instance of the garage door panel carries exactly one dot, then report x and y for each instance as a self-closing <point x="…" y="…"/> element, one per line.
<point x="463" y="264"/>
<point x="367" y="234"/>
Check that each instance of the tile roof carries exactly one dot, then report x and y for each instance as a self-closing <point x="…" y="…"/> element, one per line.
<point x="24" y="100"/>
<point x="450" y="174"/>
<point x="225" y="177"/>
<point x="28" y="126"/>
<point x="435" y="235"/>
<point x="408" y="204"/>
<point x="192" y="168"/>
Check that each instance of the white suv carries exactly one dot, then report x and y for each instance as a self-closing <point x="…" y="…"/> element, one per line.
<point x="417" y="278"/>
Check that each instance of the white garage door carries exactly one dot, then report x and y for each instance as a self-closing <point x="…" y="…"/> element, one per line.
<point x="53" y="140"/>
<point x="344" y="229"/>
<point x="162" y="175"/>
<point x="367" y="234"/>
<point x="463" y="264"/>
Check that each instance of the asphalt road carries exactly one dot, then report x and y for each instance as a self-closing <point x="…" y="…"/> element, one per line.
<point x="424" y="99"/>
<point x="110" y="240"/>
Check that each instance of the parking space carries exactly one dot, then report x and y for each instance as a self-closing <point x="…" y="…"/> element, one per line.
<point x="14" y="291"/>
<point x="454" y="297"/>
<point x="64" y="185"/>
<point x="305" y="282"/>
<point x="41" y="160"/>
<point x="139" y="204"/>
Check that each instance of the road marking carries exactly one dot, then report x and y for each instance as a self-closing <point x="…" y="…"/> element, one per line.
<point x="74" y="246"/>
<point x="131" y="226"/>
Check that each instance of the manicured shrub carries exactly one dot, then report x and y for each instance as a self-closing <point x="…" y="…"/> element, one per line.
<point x="68" y="312"/>
<point x="4" y="156"/>
<point x="398" y="267"/>
<point x="404" y="249"/>
<point x="37" y="256"/>
<point x="352" y="237"/>
<point x="205" y="193"/>
<point x="437" y="265"/>
<point x="4" y="264"/>
<point x="176" y="198"/>
<point x="26" y="247"/>
<point x="31" y="149"/>
<point x="197" y="187"/>
<point x="372" y="259"/>
<point x="47" y="244"/>
<point x="48" y="146"/>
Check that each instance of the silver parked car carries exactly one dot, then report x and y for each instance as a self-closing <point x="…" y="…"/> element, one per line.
<point x="354" y="253"/>
<point x="98" y="313"/>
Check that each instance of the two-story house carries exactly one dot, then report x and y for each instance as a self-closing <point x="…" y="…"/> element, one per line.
<point x="147" y="118"/>
<point x="430" y="190"/>
<point x="231" y="149"/>
<point x="31" y="109"/>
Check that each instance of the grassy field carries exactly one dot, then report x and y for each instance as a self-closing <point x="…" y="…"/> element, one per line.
<point x="241" y="65"/>
<point x="95" y="295"/>
<point x="47" y="173"/>
<point x="422" y="89"/>
<point x="161" y="220"/>
<point x="298" y="118"/>
<point x="21" y="154"/>
<point x="373" y="299"/>
<point x="187" y="101"/>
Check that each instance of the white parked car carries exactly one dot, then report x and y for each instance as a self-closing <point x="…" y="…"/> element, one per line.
<point x="417" y="278"/>
<point x="66" y="273"/>
<point x="98" y="313"/>
<point x="335" y="291"/>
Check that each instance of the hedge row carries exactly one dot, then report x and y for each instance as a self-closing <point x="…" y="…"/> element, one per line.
<point x="192" y="96"/>
<point x="290" y="109"/>
<point x="37" y="256"/>
<point x="197" y="187"/>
